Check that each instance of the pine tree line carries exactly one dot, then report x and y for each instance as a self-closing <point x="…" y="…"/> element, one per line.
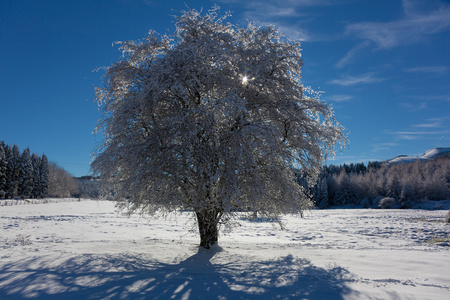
<point x="23" y="175"/>
<point x="405" y="183"/>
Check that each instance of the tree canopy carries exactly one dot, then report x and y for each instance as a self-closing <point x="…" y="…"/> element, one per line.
<point x="212" y="119"/>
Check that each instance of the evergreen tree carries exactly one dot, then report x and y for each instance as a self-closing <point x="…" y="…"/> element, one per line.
<point x="3" y="169"/>
<point x="9" y="171"/>
<point x="36" y="162"/>
<point x="374" y="165"/>
<point x="344" y="195"/>
<point x="43" y="173"/>
<point x="332" y="186"/>
<point x="323" y="200"/>
<point x="25" y="187"/>
<point x="15" y="168"/>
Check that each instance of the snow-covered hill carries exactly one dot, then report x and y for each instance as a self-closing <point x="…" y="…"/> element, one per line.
<point x="428" y="155"/>
<point x="436" y="152"/>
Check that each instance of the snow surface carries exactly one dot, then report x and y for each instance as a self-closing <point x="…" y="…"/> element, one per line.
<point x="406" y="159"/>
<point x="432" y="153"/>
<point x="86" y="250"/>
<point x="428" y="155"/>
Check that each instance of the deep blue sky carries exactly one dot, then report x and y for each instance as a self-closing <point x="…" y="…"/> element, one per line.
<point x="383" y="65"/>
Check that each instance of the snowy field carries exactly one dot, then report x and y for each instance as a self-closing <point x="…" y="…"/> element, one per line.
<point x="86" y="250"/>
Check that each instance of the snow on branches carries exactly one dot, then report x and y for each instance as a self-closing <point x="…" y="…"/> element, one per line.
<point x="213" y="119"/>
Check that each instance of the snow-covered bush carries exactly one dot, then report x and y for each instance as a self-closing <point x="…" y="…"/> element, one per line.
<point x="19" y="240"/>
<point x="388" y="202"/>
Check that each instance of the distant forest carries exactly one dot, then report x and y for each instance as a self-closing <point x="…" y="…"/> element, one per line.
<point x="400" y="185"/>
<point x="371" y="185"/>
<point x="88" y="187"/>
<point x="27" y="175"/>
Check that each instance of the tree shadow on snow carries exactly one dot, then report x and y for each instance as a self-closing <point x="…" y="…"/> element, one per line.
<point x="137" y="277"/>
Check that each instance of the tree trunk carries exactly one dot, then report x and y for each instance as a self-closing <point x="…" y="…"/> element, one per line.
<point x="208" y="228"/>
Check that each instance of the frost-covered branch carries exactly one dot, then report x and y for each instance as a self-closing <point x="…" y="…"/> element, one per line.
<point x="183" y="129"/>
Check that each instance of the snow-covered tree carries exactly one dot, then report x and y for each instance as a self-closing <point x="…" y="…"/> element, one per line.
<point x="435" y="186"/>
<point x="215" y="120"/>
<point x="25" y="187"/>
<point x="60" y="183"/>
<point x="393" y="186"/>
<point x="3" y="170"/>
<point x="36" y="163"/>
<point x="345" y="193"/>
<point x="14" y="161"/>
<point x="43" y="177"/>
<point x="9" y="173"/>
<point x="322" y="199"/>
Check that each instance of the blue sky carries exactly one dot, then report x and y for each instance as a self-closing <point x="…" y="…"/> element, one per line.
<point x="383" y="65"/>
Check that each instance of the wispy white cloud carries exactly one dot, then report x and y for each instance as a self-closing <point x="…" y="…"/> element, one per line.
<point x="295" y="33"/>
<point x="420" y="7"/>
<point x="416" y="25"/>
<point x="430" y="129"/>
<point x="339" y="98"/>
<point x="444" y="97"/>
<point x="270" y="14"/>
<point x="347" y="80"/>
<point x="423" y="102"/>
<point x="413" y="107"/>
<point x="351" y="54"/>
<point x="432" y="69"/>
<point x="420" y="134"/>
<point x="270" y="10"/>
<point x="287" y="3"/>
<point x="433" y="123"/>
<point x="383" y="147"/>
<point x="289" y="16"/>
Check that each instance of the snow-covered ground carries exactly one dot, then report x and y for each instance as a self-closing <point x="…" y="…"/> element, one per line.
<point x="86" y="250"/>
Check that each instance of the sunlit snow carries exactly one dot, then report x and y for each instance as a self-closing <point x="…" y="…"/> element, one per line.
<point x="86" y="250"/>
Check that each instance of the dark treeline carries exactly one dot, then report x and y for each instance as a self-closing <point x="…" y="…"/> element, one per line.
<point x="23" y="175"/>
<point x="366" y="185"/>
<point x="27" y="175"/>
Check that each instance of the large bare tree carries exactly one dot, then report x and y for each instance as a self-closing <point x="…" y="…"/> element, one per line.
<point x="213" y="119"/>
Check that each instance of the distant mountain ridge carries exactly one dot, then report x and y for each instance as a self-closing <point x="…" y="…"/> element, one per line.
<point x="428" y="155"/>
